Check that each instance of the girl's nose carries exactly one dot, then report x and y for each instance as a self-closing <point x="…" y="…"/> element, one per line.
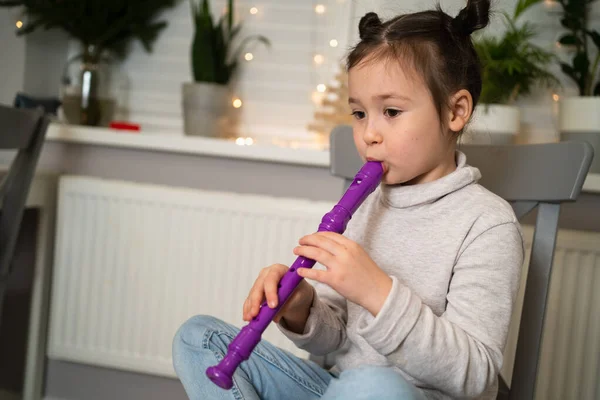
<point x="372" y="136"/>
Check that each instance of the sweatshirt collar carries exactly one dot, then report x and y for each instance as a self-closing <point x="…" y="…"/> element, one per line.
<point x="404" y="196"/>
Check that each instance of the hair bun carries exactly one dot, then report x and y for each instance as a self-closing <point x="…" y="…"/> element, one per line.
<point x="476" y="15"/>
<point x="370" y="24"/>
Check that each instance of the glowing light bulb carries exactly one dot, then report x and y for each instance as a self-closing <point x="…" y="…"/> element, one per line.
<point x="555" y="97"/>
<point x="321" y="88"/>
<point x="240" y="141"/>
<point x="19" y="24"/>
<point x="249" y="56"/>
<point x="333" y="43"/>
<point x="254" y="11"/>
<point x="237" y="103"/>
<point x="249" y="141"/>
<point x="318" y="58"/>
<point x="320" y="9"/>
<point x="317" y="98"/>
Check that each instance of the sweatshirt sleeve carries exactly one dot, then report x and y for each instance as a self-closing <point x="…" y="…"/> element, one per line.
<point x="461" y="351"/>
<point x="325" y="329"/>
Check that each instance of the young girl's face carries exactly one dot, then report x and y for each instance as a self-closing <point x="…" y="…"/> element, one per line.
<point x="396" y="122"/>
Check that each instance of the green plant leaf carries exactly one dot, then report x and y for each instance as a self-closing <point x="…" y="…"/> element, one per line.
<point x="581" y="62"/>
<point x="522" y="6"/>
<point x="212" y="57"/>
<point x="595" y="37"/>
<point x="110" y="25"/>
<point x="568" y="40"/>
<point x="568" y="69"/>
<point x="230" y="11"/>
<point x="202" y="51"/>
<point x="220" y="53"/>
<point x="512" y="65"/>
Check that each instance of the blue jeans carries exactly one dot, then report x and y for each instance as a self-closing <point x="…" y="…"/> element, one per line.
<point x="272" y="373"/>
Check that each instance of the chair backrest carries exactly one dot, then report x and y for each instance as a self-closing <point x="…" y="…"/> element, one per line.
<point x="527" y="176"/>
<point x="24" y="131"/>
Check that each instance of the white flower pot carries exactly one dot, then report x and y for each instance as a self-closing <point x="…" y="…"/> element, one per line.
<point x="579" y="120"/>
<point x="205" y="108"/>
<point x="493" y="124"/>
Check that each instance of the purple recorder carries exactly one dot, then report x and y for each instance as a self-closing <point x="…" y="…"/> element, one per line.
<point x="365" y="182"/>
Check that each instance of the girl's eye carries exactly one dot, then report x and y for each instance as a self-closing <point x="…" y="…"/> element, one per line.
<point x="358" y="114"/>
<point x="391" y="112"/>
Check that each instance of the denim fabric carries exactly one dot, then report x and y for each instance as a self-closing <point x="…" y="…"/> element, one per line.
<point x="272" y="373"/>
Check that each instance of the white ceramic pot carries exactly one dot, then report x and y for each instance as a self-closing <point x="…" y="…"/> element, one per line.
<point x="579" y="120"/>
<point x="205" y="108"/>
<point x="493" y="124"/>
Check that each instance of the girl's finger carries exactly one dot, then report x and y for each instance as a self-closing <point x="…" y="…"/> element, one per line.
<point x="336" y="237"/>
<point x="245" y="310"/>
<point x="256" y="297"/>
<point x="324" y="242"/>
<point x="271" y="282"/>
<point x="315" y="253"/>
<point x="315" y="274"/>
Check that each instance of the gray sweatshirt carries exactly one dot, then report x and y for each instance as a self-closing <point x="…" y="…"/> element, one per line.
<point x="454" y="251"/>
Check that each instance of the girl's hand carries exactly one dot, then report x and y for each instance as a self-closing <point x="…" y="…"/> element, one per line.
<point x="350" y="270"/>
<point x="295" y="310"/>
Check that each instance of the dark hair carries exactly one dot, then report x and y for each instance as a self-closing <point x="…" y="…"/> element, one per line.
<point x="434" y="44"/>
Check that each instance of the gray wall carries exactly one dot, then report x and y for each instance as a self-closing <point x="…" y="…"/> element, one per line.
<point x="12" y="57"/>
<point x="31" y="63"/>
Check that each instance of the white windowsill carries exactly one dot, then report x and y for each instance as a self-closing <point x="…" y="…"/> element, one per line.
<point x="187" y="145"/>
<point x="211" y="147"/>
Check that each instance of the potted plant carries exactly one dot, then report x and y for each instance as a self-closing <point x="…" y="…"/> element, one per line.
<point x="214" y="61"/>
<point x="511" y="66"/>
<point x="579" y="116"/>
<point x="104" y="32"/>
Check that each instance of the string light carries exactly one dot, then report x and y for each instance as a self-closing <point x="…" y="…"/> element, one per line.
<point x="555" y="97"/>
<point x="321" y="88"/>
<point x="333" y="43"/>
<point x="237" y="103"/>
<point x="244" y="141"/>
<point x="249" y="56"/>
<point x="320" y="9"/>
<point x="317" y="98"/>
<point x="254" y="11"/>
<point x="318" y="58"/>
<point x="19" y="24"/>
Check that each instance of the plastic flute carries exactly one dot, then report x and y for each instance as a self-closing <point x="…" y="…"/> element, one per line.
<point x="365" y="182"/>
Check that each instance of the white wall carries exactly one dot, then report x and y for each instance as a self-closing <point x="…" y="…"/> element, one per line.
<point x="276" y="87"/>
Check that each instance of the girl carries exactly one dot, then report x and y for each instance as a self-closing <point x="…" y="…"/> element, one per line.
<point x="416" y="299"/>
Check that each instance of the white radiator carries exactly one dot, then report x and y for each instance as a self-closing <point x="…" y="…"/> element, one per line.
<point x="134" y="261"/>
<point x="570" y="358"/>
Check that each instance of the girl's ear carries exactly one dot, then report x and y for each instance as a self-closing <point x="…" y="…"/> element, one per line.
<point x="461" y="108"/>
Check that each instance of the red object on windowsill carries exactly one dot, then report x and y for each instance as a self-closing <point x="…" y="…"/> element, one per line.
<point x="125" y="126"/>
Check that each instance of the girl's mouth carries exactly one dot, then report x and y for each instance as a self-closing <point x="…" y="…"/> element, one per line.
<point x="385" y="169"/>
